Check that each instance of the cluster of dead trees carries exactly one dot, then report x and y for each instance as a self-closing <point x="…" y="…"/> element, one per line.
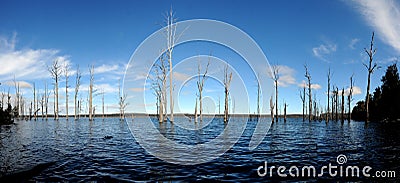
<point x="39" y="105"/>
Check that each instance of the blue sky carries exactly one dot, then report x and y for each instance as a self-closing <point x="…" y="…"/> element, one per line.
<point x="321" y="34"/>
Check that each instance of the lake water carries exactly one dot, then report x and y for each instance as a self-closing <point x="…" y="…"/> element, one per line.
<point x="78" y="151"/>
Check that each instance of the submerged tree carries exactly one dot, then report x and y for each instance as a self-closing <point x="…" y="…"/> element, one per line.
<point x="200" y="85"/>
<point x="328" y="94"/>
<point x="77" y="85"/>
<point x="91" y="73"/>
<point x="227" y="83"/>
<point x="275" y="78"/>
<point x="122" y="102"/>
<point x="303" y="100"/>
<point x="55" y="70"/>
<point x="370" y="67"/>
<point x="271" y="107"/>
<point x="66" y="75"/>
<point x="350" y="97"/>
<point x="308" y="76"/>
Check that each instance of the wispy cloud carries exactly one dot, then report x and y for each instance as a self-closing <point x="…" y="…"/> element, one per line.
<point x="356" y="91"/>
<point x="323" y="50"/>
<point x="303" y="84"/>
<point x="383" y="16"/>
<point x="21" y="84"/>
<point x="286" y="75"/>
<point x="180" y="76"/>
<point x="353" y="42"/>
<point x="25" y="63"/>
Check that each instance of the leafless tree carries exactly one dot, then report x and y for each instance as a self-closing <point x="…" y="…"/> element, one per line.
<point x="91" y="72"/>
<point x="370" y="67"/>
<point x="17" y="97"/>
<point x="34" y="101"/>
<point x="349" y="97"/>
<point x="328" y="94"/>
<point x="342" y="106"/>
<point x="227" y="83"/>
<point x="170" y="33"/>
<point x="195" y="111"/>
<point x="258" y="95"/>
<point x="284" y="111"/>
<point x="102" y="102"/>
<point x="46" y="99"/>
<point x="271" y="107"/>
<point x="77" y="85"/>
<point x="303" y="99"/>
<point x="200" y="85"/>
<point x="159" y="86"/>
<point x="308" y="76"/>
<point x="66" y="70"/>
<point x="122" y="102"/>
<point x="55" y="70"/>
<point x="275" y="78"/>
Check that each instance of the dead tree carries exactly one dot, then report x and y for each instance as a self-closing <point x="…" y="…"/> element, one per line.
<point x="102" y="102"/>
<point x="284" y="111"/>
<point x="258" y="96"/>
<point x="17" y="97"/>
<point x="170" y="34"/>
<point x="195" y="111"/>
<point x="271" y="107"/>
<point x="371" y="52"/>
<point x="227" y="83"/>
<point x="200" y="85"/>
<point x="275" y="78"/>
<point x="46" y="100"/>
<point x="328" y="94"/>
<point x="303" y="100"/>
<point x="55" y="71"/>
<point x="77" y="85"/>
<point x="34" y="101"/>
<point x="349" y="98"/>
<point x="122" y="102"/>
<point x="342" y="106"/>
<point x="308" y="76"/>
<point x="336" y="104"/>
<point x="66" y="70"/>
<point x="91" y="72"/>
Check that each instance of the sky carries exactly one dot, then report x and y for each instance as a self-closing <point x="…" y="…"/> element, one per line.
<point x="105" y="34"/>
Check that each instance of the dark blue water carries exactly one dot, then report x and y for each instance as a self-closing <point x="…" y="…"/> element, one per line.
<point x="78" y="151"/>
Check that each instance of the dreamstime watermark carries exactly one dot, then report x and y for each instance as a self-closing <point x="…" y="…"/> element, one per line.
<point x="332" y="170"/>
<point x="137" y="86"/>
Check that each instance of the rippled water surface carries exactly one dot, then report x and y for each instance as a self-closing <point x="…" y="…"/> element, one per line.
<point x="105" y="150"/>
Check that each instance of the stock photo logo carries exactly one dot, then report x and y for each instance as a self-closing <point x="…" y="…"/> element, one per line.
<point x="140" y="72"/>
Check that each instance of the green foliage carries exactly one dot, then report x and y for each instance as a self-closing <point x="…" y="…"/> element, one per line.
<point x="6" y="116"/>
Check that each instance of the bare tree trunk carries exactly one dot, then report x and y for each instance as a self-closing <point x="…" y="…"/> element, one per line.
<point x="328" y="94"/>
<point x="284" y="112"/>
<point x="349" y="98"/>
<point x="308" y="76"/>
<point x="342" y="106"/>
<point x="195" y="112"/>
<point x="275" y="78"/>
<point x="91" y="72"/>
<point x="34" y="101"/>
<point x="55" y="71"/>
<point x="170" y="31"/>
<point x="66" y="70"/>
<point x="371" y="52"/>
<point x="272" y="106"/>
<point x="47" y="95"/>
<point x="77" y="85"/>
<point x="227" y="83"/>
<point x="337" y="104"/>
<point x="200" y="85"/>
<point x="102" y="102"/>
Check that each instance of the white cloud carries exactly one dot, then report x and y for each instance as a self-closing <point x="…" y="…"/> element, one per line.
<point x="25" y="63"/>
<point x="303" y="84"/>
<point x="106" y="68"/>
<point x="356" y="91"/>
<point x="137" y="89"/>
<point x="323" y="50"/>
<point x="353" y="42"/>
<point x="21" y="84"/>
<point x="384" y="16"/>
<point x="286" y="75"/>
